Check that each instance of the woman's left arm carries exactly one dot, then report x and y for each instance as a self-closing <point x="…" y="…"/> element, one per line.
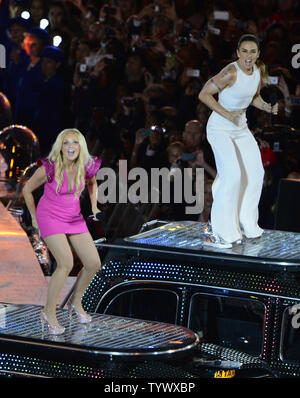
<point x="259" y="103"/>
<point x="93" y="192"/>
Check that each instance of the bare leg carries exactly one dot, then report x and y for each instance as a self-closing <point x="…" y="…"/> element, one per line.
<point x="60" y="248"/>
<point x="86" y="250"/>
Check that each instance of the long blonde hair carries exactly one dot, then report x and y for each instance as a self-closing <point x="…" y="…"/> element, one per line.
<point x="83" y="158"/>
<point x="261" y="66"/>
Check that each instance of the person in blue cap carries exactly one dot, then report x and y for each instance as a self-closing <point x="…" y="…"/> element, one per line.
<point x="41" y="34"/>
<point x="26" y="96"/>
<point x="48" y="116"/>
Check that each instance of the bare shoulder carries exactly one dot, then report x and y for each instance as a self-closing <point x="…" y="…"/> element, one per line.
<point x="225" y="78"/>
<point x="38" y="178"/>
<point x="41" y="173"/>
<point x="229" y="71"/>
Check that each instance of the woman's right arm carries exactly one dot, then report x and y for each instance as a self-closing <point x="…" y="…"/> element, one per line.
<point x="225" y="78"/>
<point x="36" y="180"/>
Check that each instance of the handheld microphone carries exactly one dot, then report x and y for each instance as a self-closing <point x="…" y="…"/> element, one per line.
<point x="273" y="101"/>
<point x="100" y="216"/>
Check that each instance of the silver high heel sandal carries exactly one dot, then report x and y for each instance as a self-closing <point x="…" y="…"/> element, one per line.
<point x="52" y="329"/>
<point x="82" y="318"/>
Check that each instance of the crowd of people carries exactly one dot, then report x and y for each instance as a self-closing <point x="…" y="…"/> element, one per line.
<point x="127" y="74"/>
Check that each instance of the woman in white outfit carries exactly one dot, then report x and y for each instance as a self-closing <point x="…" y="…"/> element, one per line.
<point x="237" y="187"/>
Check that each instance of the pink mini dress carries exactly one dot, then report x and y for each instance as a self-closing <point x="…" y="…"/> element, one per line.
<point x="60" y="213"/>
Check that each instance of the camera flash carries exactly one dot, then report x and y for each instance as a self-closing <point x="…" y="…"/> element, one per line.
<point x="57" y="40"/>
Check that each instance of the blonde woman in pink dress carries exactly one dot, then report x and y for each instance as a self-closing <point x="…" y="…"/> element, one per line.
<point x="58" y="217"/>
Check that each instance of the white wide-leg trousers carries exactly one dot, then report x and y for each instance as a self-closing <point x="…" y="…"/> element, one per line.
<point x="237" y="187"/>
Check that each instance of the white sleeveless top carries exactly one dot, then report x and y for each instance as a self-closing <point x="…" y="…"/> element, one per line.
<point x="238" y="96"/>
